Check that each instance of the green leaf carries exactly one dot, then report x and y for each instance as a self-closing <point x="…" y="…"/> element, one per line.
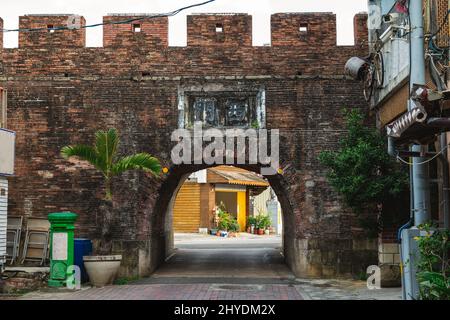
<point x="83" y="152"/>
<point x="142" y="161"/>
<point x="361" y="170"/>
<point x="103" y="156"/>
<point x="106" y="143"/>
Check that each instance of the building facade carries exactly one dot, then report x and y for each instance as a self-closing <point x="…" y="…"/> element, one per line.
<point x="198" y="198"/>
<point x="60" y="92"/>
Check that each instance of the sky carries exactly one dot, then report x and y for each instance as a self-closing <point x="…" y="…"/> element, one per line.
<point x="94" y="10"/>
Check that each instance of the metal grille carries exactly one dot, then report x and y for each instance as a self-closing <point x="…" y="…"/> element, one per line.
<point x="435" y="13"/>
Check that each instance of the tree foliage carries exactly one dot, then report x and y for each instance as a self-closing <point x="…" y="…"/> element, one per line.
<point x="433" y="267"/>
<point x="361" y="169"/>
<point x="103" y="156"/>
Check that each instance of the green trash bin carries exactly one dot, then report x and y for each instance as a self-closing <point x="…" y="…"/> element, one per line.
<point x="61" y="246"/>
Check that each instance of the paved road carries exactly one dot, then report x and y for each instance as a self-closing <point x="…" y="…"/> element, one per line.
<point x="247" y="256"/>
<point x="212" y="268"/>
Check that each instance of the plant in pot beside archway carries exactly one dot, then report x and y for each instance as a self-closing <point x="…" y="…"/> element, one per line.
<point x="266" y="223"/>
<point x="251" y="224"/>
<point x="262" y="223"/>
<point x="103" y="268"/>
<point x="233" y="227"/>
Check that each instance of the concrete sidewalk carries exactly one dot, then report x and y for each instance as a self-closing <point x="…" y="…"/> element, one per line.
<point x="243" y="240"/>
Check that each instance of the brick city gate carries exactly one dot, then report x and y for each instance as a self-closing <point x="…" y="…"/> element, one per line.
<point x="60" y="92"/>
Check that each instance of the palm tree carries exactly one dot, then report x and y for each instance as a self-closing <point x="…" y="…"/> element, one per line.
<point x="103" y="156"/>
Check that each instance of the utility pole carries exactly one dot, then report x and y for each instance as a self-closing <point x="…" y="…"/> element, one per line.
<point x="421" y="184"/>
<point x="420" y="171"/>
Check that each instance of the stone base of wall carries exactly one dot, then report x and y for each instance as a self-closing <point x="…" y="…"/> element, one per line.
<point x="306" y="258"/>
<point x="311" y="258"/>
<point x="140" y="257"/>
<point x="20" y="282"/>
<point x="389" y="263"/>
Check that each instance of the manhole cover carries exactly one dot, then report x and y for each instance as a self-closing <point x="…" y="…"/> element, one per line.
<point x="237" y="287"/>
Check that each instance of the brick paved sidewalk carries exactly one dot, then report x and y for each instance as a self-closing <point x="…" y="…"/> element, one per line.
<point x="174" y="292"/>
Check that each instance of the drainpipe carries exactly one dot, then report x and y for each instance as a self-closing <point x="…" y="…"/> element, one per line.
<point x="445" y="180"/>
<point x="420" y="172"/>
<point x="391" y="147"/>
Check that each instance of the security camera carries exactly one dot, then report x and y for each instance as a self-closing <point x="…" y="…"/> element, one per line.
<point x="390" y="17"/>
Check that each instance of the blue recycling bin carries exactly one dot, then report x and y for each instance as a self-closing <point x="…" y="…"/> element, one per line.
<point x="82" y="247"/>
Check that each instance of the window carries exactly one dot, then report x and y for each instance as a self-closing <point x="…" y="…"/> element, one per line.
<point x="219" y="28"/>
<point x="222" y="109"/>
<point x="237" y="113"/>
<point x="136" y="27"/>
<point x="206" y="111"/>
<point x="50" y="28"/>
<point x="303" y="28"/>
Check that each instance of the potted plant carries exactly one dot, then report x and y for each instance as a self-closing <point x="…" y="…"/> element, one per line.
<point x="224" y="218"/>
<point x="256" y="228"/>
<point x="233" y="228"/>
<point x="257" y="224"/>
<point x="260" y="231"/>
<point x="251" y="224"/>
<point x="266" y="223"/>
<point x="103" y="268"/>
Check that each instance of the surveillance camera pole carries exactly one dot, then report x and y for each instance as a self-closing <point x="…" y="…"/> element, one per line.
<point x="420" y="172"/>
<point x="417" y="76"/>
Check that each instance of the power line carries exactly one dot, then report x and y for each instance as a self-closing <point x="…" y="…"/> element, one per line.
<point x="426" y="161"/>
<point x="158" y="15"/>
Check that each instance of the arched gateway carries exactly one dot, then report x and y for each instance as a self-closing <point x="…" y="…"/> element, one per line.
<point x="60" y="92"/>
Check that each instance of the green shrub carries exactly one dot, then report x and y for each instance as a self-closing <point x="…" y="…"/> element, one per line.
<point x="433" y="266"/>
<point x="233" y="226"/>
<point x="251" y="221"/>
<point x="226" y="221"/>
<point x="262" y="221"/>
<point x="362" y="171"/>
<point x="265" y="222"/>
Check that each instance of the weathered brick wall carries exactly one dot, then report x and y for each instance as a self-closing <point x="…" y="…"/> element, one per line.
<point x="61" y="95"/>
<point x="360" y="27"/>
<point x="304" y="29"/>
<point x="1" y="34"/>
<point x="153" y="32"/>
<point x="46" y="38"/>
<point x="223" y="30"/>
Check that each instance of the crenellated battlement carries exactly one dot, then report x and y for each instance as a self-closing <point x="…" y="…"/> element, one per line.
<point x="360" y="29"/>
<point x="287" y="29"/>
<point x="149" y="32"/>
<point x="217" y="44"/>
<point x="49" y="35"/>
<point x="303" y="29"/>
<point x="219" y="30"/>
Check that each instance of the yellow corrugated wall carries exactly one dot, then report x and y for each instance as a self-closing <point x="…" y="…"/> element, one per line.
<point x="242" y="210"/>
<point x="186" y="211"/>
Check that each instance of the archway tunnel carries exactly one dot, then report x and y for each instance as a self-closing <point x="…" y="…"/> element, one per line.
<point x="248" y="253"/>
